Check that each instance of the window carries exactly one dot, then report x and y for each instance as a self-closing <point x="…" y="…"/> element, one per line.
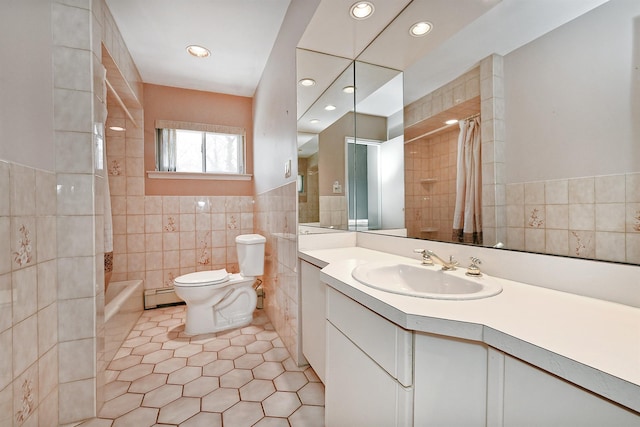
<point x="199" y="148"/>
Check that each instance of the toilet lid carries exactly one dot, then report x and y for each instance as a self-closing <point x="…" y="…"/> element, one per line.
<point x="199" y="278"/>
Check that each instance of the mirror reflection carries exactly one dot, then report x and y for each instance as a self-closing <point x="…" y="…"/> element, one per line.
<point x="558" y="165"/>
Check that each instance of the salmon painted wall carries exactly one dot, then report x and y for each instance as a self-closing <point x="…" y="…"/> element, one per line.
<point x="170" y="103"/>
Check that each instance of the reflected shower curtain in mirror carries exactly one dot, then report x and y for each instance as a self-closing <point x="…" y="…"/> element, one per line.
<point x="467" y="217"/>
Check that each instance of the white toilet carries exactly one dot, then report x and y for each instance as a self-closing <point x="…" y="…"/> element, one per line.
<point x="217" y="300"/>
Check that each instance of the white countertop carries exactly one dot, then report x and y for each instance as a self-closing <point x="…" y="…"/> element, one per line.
<point x="592" y="343"/>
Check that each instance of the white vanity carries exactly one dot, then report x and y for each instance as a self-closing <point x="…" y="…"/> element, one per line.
<point x="528" y="356"/>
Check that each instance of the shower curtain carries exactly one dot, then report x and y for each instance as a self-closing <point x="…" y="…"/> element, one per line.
<point x="467" y="218"/>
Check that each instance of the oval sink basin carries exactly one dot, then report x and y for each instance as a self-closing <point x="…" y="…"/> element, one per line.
<point x="425" y="282"/>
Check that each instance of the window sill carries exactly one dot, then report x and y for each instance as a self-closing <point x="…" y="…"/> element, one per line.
<point x="195" y="175"/>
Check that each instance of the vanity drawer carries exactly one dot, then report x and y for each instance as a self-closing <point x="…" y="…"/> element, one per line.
<point x="387" y="344"/>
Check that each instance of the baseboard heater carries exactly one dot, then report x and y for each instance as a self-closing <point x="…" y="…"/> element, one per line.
<point x="163" y="297"/>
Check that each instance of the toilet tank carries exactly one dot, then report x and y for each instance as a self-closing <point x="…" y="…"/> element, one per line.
<point x="250" y="248"/>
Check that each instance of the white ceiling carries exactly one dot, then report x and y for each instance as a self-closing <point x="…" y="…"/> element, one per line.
<point x="241" y="33"/>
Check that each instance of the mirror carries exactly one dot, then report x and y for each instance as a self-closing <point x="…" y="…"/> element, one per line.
<point x="559" y="118"/>
<point x="360" y="111"/>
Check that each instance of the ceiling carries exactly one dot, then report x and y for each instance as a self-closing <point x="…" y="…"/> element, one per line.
<point x="241" y="34"/>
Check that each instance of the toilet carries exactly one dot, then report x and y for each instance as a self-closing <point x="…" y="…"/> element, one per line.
<point x="217" y="300"/>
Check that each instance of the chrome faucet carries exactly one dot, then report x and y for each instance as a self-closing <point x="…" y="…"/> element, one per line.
<point x="451" y="265"/>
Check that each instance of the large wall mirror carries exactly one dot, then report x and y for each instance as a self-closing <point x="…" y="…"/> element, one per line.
<point x="555" y="112"/>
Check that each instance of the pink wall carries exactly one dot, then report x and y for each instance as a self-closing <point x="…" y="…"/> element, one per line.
<point x="170" y="103"/>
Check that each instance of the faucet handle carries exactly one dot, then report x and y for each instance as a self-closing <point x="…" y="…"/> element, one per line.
<point x="426" y="259"/>
<point x="473" y="269"/>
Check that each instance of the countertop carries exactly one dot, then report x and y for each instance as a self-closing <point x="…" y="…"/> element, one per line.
<point x="592" y="343"/>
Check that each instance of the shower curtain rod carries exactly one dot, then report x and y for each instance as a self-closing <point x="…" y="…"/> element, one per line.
<point x="473" y="116"/>
<point x="424" y="135"/>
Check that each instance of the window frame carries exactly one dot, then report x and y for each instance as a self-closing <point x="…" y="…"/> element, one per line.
<point x="161" y="125"/>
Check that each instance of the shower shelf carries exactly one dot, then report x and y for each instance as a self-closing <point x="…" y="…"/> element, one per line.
<point x="429" y="229"/>
<point x="428" y="180"/>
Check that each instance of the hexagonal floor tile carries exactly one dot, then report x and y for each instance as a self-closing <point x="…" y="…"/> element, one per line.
<point x="290" y="381"/>
<point x="236" y="378"/>
<point x="147" y="348"/>
<point x="308" y="416"/>
<point x="135" y="372"/>
<point x="124" y="363"/>
<point x="179" y="410"/>
<point x="184" y="375"/>
<point x="242" y="340"/>
<point x="248" y="361"/>
<point x="257" y="390"/>
<point x="157" y="356"/>
<point x="137" y="417"/>
<point x="115" y="389"/>
<point x="272" y="422"/>
<point x="217" y="368"/>
<point x="259" y="347"/>
<point x="312" y="394"/>
<point x="208" y="419"/>
<point x="201" y="386"/>
<point x="162" y="396"/>
<point x="231" y="352"/>
<point x="281" y="404"/>
<point x="278" y="354"/>
<point x="243" y="414"/>
<point x="170" y="365"/>
<point x="217" y="345"/>
<point x="268" y="370"/>
<point x="148" y="383"/>
<point x="188" y="350"/>
<point x="220" y="400"/>
<point x="202" y="358"/>
<point x="120" y="405"/>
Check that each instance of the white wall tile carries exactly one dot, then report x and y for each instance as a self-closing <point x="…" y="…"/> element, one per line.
<point x="76" y="319"/>
<point x="77" y="360"/>
<point x="47" y="328"/>
<point x="25" y="291"/>
<point x="25" y="344"/>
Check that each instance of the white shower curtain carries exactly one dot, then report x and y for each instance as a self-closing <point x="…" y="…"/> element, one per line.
<point x="467" y="218"/>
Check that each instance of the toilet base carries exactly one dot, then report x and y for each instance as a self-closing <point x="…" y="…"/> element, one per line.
<point x="234" y="310"/>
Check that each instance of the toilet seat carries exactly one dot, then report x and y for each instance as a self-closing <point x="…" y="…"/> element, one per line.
<point x="209" y="278"/>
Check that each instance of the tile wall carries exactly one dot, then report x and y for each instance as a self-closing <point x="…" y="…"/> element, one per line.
<point x="158" y="238"/>
<point x="590" y="217"/>
<point x="276" y="216"/>
<point x="28" y="296"/>
<point x="333" y="212"/>
<point x="487" y="82"/>
<point x="430" y="185"/>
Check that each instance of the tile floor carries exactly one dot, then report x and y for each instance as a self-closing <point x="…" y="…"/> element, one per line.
<point x="242" y="377"/>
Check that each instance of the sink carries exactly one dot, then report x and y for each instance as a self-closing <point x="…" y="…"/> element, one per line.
<point x="426" y="282"/>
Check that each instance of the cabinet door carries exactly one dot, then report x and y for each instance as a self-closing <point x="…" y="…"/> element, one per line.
<point x="450" y="381"/>
<point x="358" y="391"/>
<point x="313" y="300"/>
<point x="533" y="397"/>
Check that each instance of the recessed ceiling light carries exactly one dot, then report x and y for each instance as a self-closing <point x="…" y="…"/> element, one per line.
<point x="419" y="29"/>
<point x="117" y="128"/>
<point x="307" y="82"/>
<point x="451" y="122"/>
<point x="362" y="10"/>
<point x="349" y="89"/>
<point x="314" y="121"/>
<point x="330" y="107"/>
<point x="198" y="51"/>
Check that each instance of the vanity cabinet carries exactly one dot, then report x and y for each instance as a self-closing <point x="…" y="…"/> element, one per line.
<point x="369" y="367"/>
<point x="313" y="303"/>
<point x="450" y="381"/>
<point x="533" y="397"/>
